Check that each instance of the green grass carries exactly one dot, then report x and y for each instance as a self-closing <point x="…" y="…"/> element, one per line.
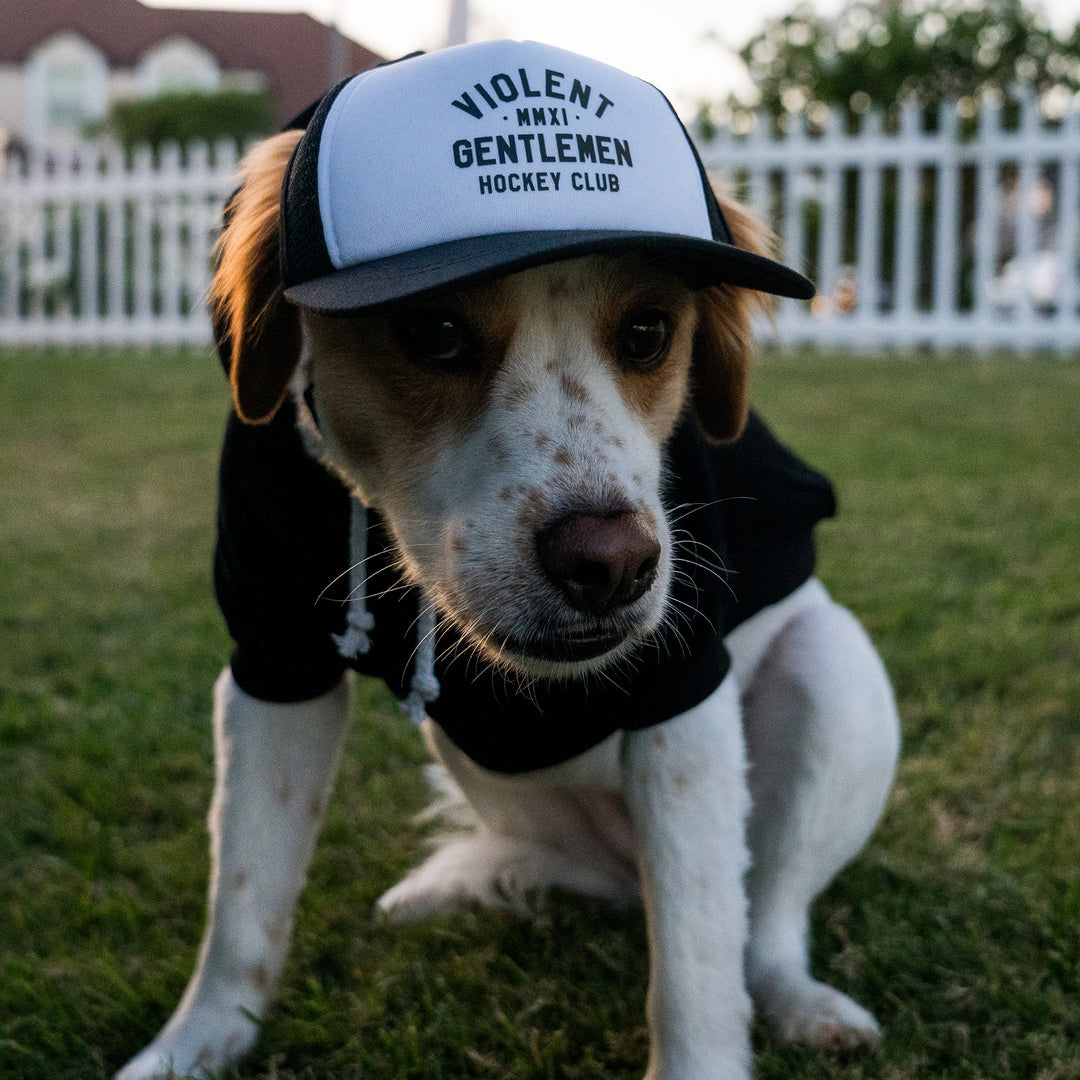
<point x="958" y="544"/>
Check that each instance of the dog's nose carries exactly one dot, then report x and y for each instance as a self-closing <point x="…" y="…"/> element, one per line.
<point x="599" y="561"/>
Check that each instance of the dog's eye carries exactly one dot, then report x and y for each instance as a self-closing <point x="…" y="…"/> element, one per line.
<point x="437" y="337"/>
<point x="644" y="337"/>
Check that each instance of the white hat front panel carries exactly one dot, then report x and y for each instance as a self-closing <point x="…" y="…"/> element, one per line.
<point x="500" y="137"/>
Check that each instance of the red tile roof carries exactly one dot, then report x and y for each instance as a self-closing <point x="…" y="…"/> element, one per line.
<point x="293" y="50"/>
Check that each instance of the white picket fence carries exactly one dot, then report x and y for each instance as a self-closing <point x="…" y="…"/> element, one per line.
<point x="98" y="249"/>
<point x="921" y="237"/>
<point x="915" y="237"/>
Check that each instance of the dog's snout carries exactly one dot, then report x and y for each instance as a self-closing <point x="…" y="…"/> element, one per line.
<point x="600" y="561"/>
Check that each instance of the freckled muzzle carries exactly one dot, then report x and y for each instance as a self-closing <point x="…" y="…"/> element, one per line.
<point x="600" y="566"/>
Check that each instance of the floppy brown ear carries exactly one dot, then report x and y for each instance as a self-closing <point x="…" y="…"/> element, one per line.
<point x="723" y="341"/>
<point x="263" y="330"/>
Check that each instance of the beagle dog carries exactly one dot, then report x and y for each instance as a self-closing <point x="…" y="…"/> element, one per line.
<point x="487" y="329"/>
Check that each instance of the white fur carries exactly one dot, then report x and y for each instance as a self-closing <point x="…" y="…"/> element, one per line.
<point x="686" y="793"/>
<point x="822" y="737"/>
<point x="784" y="769"/>
<point x="275" y="770"/>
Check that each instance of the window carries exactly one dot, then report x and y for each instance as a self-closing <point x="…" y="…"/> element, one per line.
<point x="177" y="64"/>
<point x="66" y="89"/>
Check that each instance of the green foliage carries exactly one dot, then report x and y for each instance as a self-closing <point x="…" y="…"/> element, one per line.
<point x="880" y="52"/>
<point x="186" y="116"/>
<point x="959" y="926"/>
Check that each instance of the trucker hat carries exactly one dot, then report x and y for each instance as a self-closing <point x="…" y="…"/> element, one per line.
<point x="486" y="158"/>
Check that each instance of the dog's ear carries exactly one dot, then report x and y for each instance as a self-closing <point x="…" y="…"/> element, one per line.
<point x="262" y="330"/>
<point x="722" y="343"/>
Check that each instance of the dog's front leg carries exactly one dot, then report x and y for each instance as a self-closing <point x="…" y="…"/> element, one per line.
<point x="275" y="768"/>
<point x="685" y="786"/>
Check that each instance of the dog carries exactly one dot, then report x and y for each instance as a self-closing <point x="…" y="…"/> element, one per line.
<point x="523" y="455"/>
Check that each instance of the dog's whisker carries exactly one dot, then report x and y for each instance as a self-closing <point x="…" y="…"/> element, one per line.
<point x="671" y="638"/>
<point x="670" y="633"/>
<point x="685" y="555"/>
<point x="359" y="594"/>
<point x="680" y="608"/>
<point x="468" y="646"/>
<point x="345" y="574"/>
<point x="399" y="587"/>
<point x="682" y="511"/>
<point x="721" y="574"/>
<point x="688" y="509"/>
<point x="683" y="539"/>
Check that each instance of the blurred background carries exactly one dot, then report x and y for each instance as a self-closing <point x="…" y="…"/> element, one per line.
<point x="915" y="157"/>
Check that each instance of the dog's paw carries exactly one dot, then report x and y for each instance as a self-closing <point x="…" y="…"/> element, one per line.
<point x="197" y="1047"/>
<point x="820" y="1016"/>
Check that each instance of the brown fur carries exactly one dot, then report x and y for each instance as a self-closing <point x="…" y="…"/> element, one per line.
<point x="723" y="342"/>
<point x="246" y="294"/>
<point x="407" y="406"/>
<point x="656" y="395"/>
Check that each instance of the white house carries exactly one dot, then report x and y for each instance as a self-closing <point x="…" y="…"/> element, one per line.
<point x="63" y="61"/>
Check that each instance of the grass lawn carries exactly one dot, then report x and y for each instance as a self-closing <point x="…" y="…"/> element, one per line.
<point x="958" y="544"/>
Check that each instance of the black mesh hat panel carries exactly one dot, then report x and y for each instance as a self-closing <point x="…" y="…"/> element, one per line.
<point x="303" y="246"/>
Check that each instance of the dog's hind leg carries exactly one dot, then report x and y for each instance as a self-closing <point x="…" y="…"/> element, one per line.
<point x="510" y="837"/>
<point x="822" y="740"/>
<point x="275" y="769"/>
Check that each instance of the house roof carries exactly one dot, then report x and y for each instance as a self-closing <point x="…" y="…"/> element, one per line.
<point x="292" y="49"/>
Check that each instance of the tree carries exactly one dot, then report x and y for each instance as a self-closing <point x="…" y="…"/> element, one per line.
<point x="882" y="52"/>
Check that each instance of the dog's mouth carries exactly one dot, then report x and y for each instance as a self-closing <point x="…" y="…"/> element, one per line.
<point x="561" y="650"/>
<point x="569" y="645"/>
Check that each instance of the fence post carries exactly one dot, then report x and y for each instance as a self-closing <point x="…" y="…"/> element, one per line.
<point x="868" y="230"/>
<point x="906" y="273"/>
<point x="832" y="201"/>
<point x="171" y="194"/>
<point x="88" y="166"/>
<point x="987" y="208"/>
<point x="116" y="255"/>
<point x="947" y="216"/>
<point x="1067" y="241"/>
<point x="1029" y="167"/>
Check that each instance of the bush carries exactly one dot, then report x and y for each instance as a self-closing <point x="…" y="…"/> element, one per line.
<point x="186" y="116"/>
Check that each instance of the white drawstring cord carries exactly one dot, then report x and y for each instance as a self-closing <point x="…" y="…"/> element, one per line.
<point x="424" y="685"/>
<point x="359" y="622"/>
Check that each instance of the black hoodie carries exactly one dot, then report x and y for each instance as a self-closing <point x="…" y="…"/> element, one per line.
<point x="283" y="538"/>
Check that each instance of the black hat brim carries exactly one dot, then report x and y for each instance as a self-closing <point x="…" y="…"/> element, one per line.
<point x="385" y="281"/>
